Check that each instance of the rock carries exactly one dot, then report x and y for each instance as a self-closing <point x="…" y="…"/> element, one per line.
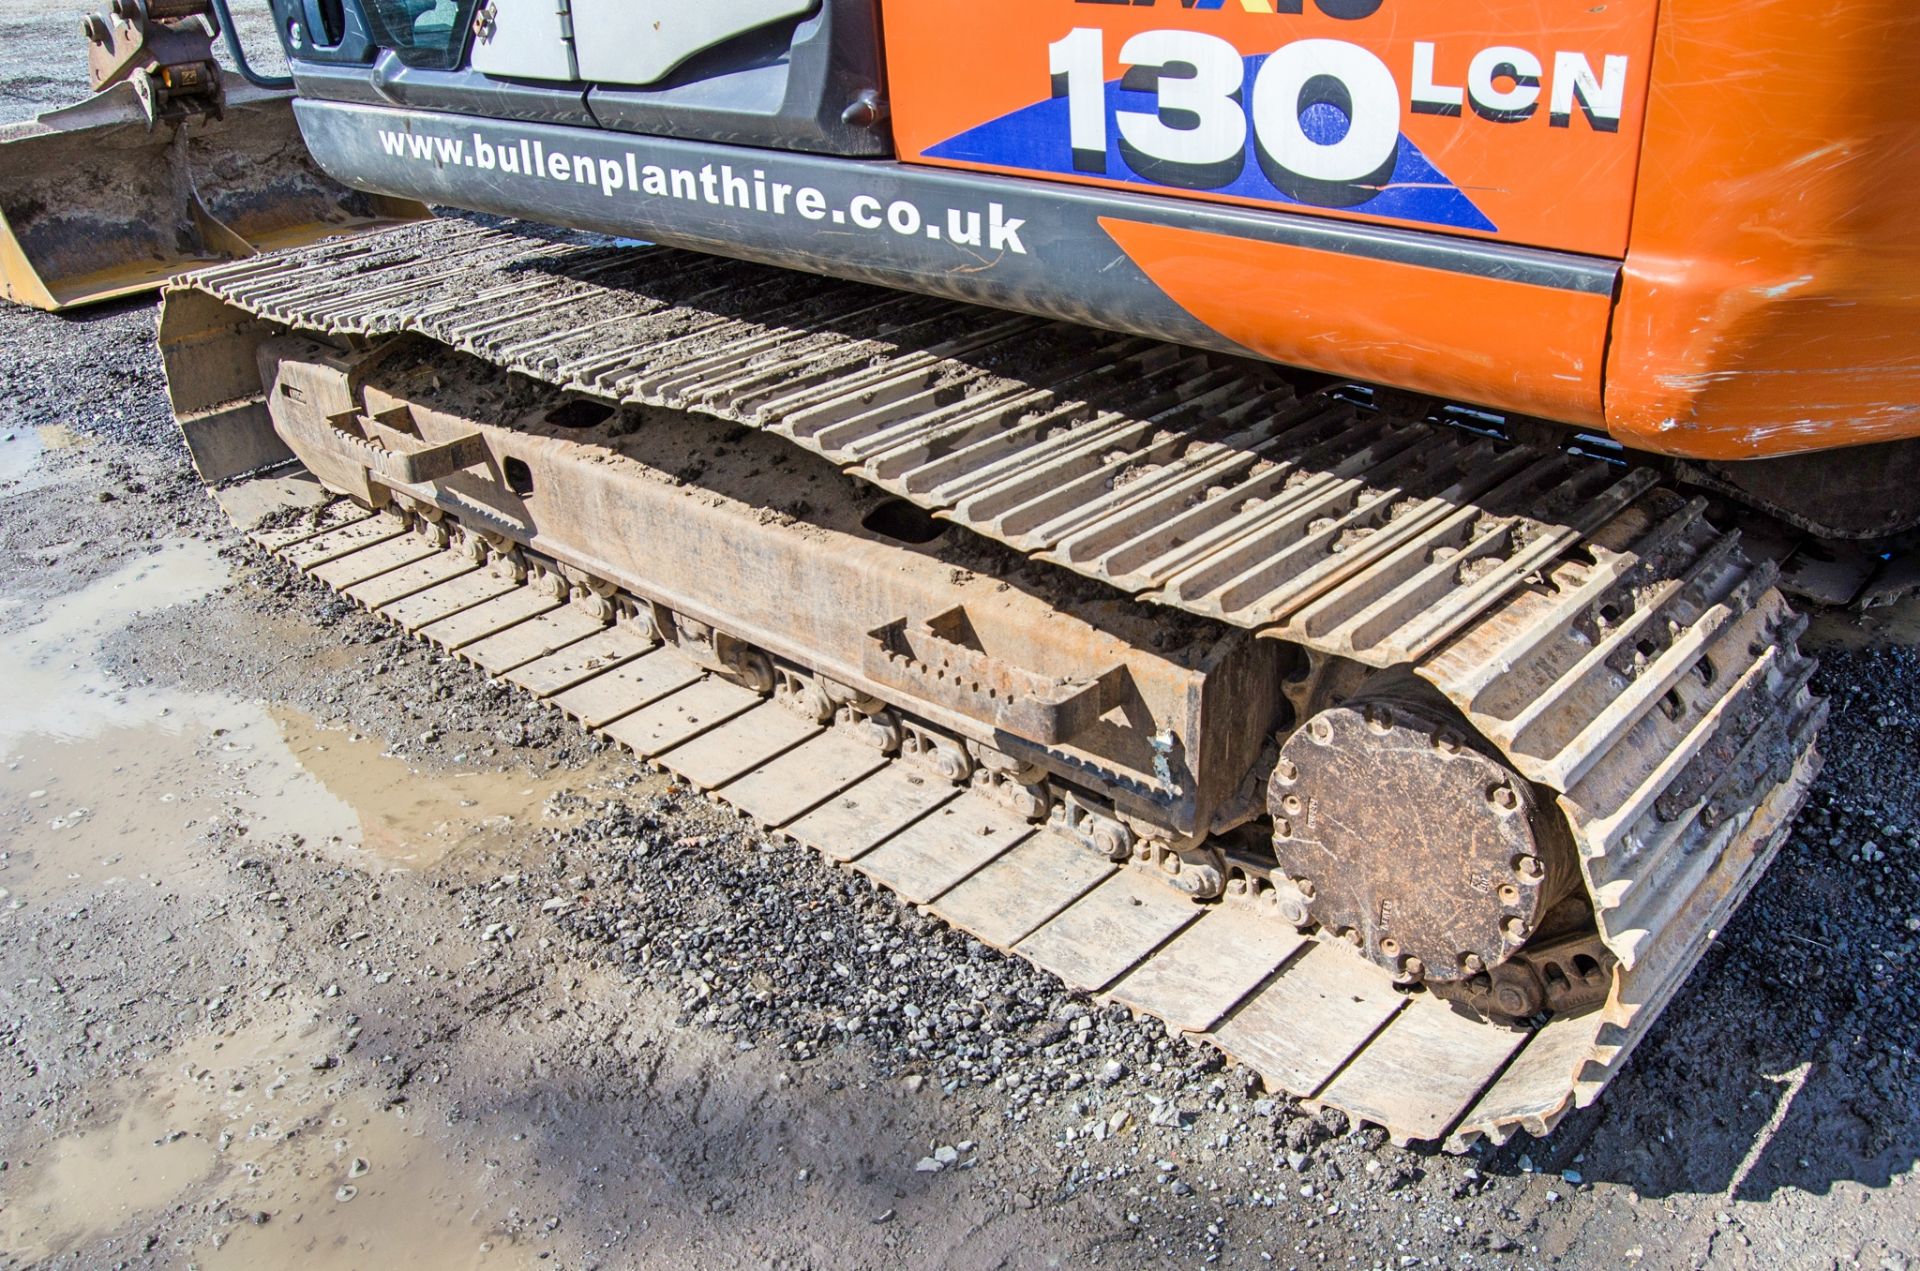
<point x="946" y="1155"/>
<point x="357" y="1167"/>
<point x="914" y="1083"/>
<point x="261" y="1218"/>
<point x="1112" y="1071"/>
<point x="928" y="1165"/>
<point x="320" y="1063"/>
<point x="1572" y="1176"/>
<point x="887" y="1216"/>
<point x="1164" y="1113"/>
<point x="345" y="1192"/>
<point x="1180" y="1188"/>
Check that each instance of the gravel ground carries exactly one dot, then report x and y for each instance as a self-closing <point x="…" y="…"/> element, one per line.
<point x="319" y="948"/>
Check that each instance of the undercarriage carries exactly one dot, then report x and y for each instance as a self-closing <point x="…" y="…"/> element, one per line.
<point x="1411" y="759"/>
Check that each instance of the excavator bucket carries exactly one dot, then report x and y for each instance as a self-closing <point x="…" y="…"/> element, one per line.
<point x="95" y="202"/>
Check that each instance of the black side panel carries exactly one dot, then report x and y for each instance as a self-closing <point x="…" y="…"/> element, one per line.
<point x="1033" y="246"/>
<point x="814" y="86"/>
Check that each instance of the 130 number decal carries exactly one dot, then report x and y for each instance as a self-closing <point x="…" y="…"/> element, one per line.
<point x="1323" y="115"/>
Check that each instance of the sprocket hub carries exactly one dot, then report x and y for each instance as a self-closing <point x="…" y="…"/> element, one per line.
<point x="1405" y="839"/>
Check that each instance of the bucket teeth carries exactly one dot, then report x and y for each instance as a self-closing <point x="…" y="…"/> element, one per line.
<point x="1614" y="646"/>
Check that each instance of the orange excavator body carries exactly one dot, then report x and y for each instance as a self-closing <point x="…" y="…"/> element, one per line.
<point x="1750" y="166"/>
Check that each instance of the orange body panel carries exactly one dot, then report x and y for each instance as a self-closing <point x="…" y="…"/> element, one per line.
<point x="1273" y="299"/>
<point x="1753" y="166"/>
<point x="1771" y="298"/>
<point x="958" y="65"/>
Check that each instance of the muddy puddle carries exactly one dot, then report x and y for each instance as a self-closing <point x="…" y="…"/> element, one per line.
<point x="103" y="783"/>
<point x="400" y="816"/>
<point x="256" y="1127"/>
<point x="21" y="449"/>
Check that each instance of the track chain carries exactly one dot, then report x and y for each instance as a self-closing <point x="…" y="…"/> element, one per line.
<point x="1617" y="648"/>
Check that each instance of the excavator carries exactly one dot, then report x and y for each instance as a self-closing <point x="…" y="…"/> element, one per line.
<point x="1286" y="514"/>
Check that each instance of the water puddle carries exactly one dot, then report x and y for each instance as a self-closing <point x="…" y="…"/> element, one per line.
<point x="258" y="1146"/>
<point x="90" y="770"/>
<point x="19" y="451"/>
<point x="403" y="816"/>
<point x="55" y="688"/>
<point x="1840" y="629"/>
<point x="105" y="784"/>
<point x="297" y="1165"/>
<point x="21" y="448"/>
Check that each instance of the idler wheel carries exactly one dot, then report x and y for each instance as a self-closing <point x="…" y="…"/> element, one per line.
<point x="1426" y="853"/>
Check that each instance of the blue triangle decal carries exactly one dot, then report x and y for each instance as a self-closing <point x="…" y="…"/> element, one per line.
<point x="1035" y="139"/>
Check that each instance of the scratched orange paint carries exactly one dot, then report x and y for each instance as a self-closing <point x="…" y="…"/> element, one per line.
<point x="1771" y="301"/>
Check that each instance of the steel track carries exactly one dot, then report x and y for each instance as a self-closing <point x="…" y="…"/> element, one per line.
<point x="1315" y="1019"/>
<point x="1615" y="646"/>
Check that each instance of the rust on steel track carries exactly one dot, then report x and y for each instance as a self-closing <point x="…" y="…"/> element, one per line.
<point x="1312" y="1017"/>
<point x="1616" y="647"/>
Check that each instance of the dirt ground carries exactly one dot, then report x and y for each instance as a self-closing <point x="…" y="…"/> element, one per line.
<point x="318" y="949"/>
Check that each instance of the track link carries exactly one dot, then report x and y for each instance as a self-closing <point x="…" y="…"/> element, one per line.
<point x="1312" y="1018"/>
<point x="1618" y="649"/>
